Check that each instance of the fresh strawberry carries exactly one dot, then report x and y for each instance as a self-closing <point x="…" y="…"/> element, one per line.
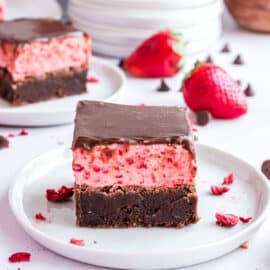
<point x="161" y="55"/>
<point x="209" y="87"/>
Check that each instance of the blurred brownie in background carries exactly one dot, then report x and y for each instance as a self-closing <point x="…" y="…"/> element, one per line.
<point x="42" y="59"/>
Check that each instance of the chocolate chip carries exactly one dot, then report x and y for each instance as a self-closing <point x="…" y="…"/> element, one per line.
<point x="163" y="87"/>
<point x="249" y="92"/>
<point x="121" y="63"/>
<point x="266" y="168"/>
<point x="239" y="82"/>
<point x="226" y="48"/>
<point x="209" y="59"/>
<point x="181" y="88"/>
<point x="238" y="60"/>
<point x="202" y="118"/>
<point x="4" y="143"/>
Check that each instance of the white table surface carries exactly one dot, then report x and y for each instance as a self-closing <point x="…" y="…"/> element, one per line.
<point x="248" y="137"/>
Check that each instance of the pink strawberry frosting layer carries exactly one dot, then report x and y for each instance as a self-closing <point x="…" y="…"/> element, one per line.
<point x="35" y="59"/>
<point x="143" y="165"/>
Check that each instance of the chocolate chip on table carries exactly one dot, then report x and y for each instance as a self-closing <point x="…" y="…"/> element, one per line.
<point x="4" y="143"/>
<point x="226" y="48"/>
<point x="238" y="60"/>
<point x="265" y="168"/>
<point x="163" y="87"/>
<point x="249" y="92"/>
<point x="209" y="59"/>
<point x="202" y="118"/>
<point x="121" y="63"/>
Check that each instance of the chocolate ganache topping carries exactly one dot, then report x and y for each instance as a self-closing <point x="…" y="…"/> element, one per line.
<point x="107" y="123"/>
<point x="26" y="30"/>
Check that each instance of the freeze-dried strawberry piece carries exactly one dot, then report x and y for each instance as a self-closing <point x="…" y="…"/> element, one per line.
<point x="40" y="217"/>
<point x="61" y="195"/>
<point x="219" y="190"/>
<point x="92" y="80"/>
<point x="20" y="257"/>
<point x="245" y="220"/>
<point x="23" y="132"/>
<point x="228" y="180"/>
<point x="226" y="220"/>
<point x="77" y="242"/>
<point x="77" y="167"/>
<point x="11" y="135"/>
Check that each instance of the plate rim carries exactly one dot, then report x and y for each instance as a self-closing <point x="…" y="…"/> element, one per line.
<point x="36" y="234"/>
<point x="111" y="98"/>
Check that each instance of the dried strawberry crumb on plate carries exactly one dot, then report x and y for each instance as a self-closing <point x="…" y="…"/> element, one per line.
<point x="219" y="190"/>
<point x="40" y="217"/>
<point x="11" y="135"/>
<point x="92" y="80"/>
<point x="229" y="179"/>
<point x="226" y="220"/>
<point x="20" y="257"/>
<point x="245" y="220"/>
<point x="77" y="242"/>
<point x="63" y="194"/>
<point x="23" y="132"/>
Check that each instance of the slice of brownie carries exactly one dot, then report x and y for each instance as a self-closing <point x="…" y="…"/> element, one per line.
<point x="133" y="166"/>
<point x="42" y="59"/>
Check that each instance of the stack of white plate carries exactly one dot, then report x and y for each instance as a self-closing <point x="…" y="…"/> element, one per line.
<point x="117" y="27"/>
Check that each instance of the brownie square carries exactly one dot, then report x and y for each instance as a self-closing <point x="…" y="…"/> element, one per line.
<point x="41" y="59"/>
<point x="133" y="166"/>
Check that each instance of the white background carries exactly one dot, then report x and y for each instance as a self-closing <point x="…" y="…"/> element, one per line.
<point x="248" y="137"/>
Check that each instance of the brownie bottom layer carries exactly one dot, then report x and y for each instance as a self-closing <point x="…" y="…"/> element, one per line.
<point x="54" y="85"/>
<point x="136" y="206"/>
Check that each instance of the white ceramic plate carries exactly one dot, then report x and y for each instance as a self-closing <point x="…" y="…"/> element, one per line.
<point x="140" y="248"/>
<point x="116" y="35"/>
<point x="60" y="111"/>
<point x="149" y="4"/>
<point x="33" y="9"/>
<point x="138" y="18"/>
<point x="121" y="51"/>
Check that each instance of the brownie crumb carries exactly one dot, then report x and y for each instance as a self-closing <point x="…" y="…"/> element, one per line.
<point x="4" y="142"/>
<point x="245" y="245"/>
<point x="121" y="63"/>
<point x="226" y="48"/>
<point x="209" y="59"/>
<point x="249" y="92"/>
<point x="202" y="118"/>
<point x="163" y="87"/>
<point x="266" y="168"/>
<point x="238" y="60"/>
